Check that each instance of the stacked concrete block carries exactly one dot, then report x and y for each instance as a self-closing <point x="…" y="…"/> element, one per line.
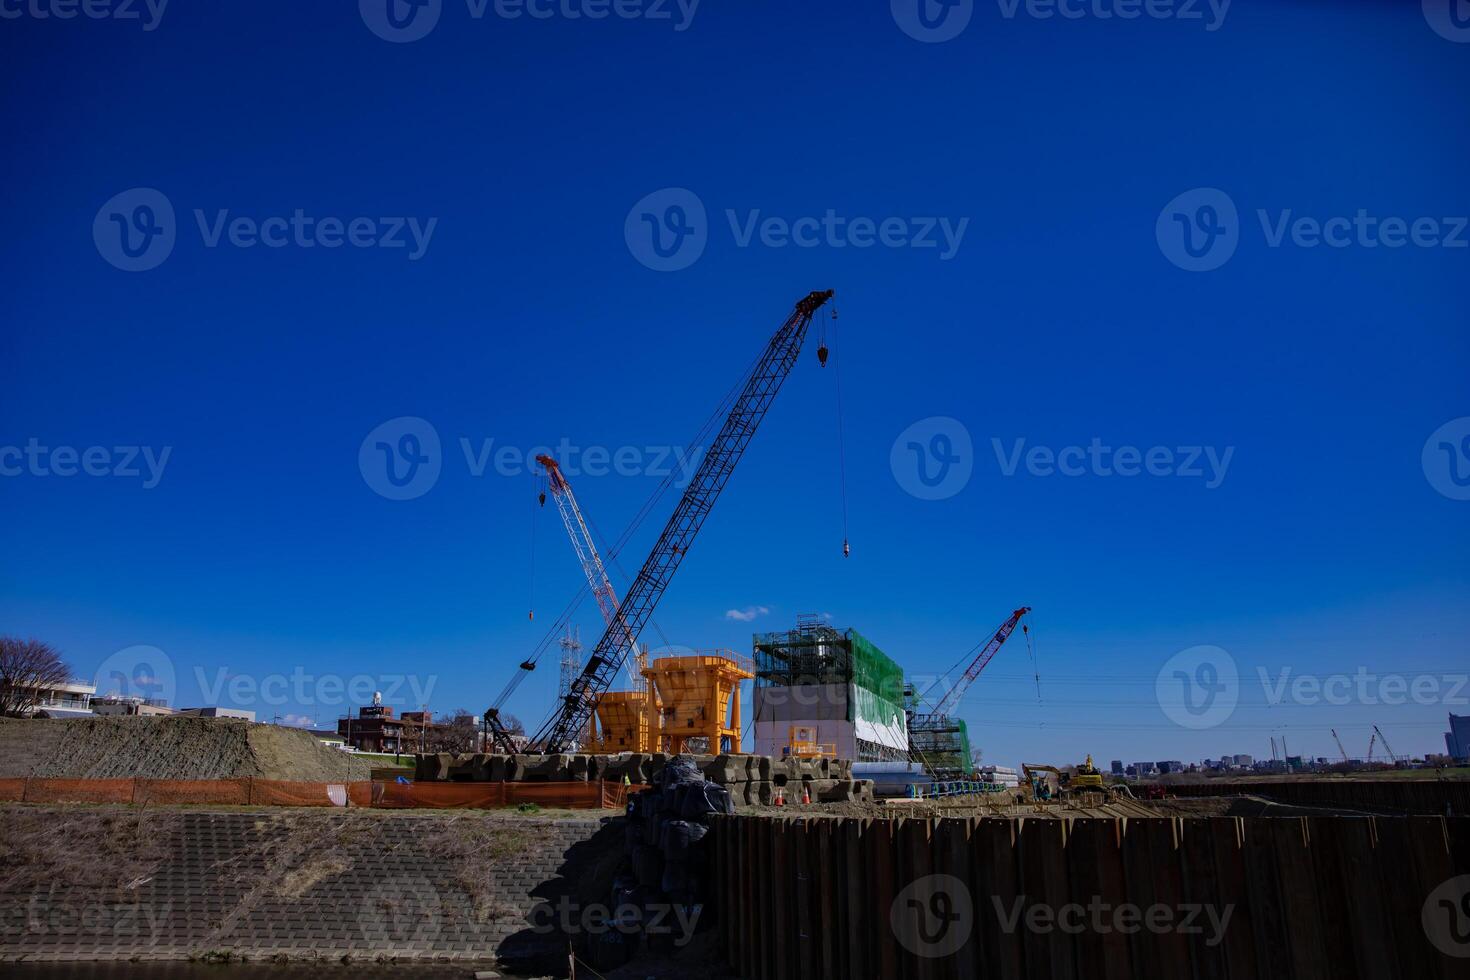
<point x="742" y="774"/>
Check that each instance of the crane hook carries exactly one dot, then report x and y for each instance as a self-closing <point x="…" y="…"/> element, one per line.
<point x="846" y="548"/>
<point x="541" y="498"/>
<point x="822" y="354"/>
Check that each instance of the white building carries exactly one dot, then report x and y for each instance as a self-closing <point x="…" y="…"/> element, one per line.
<point x="72" y="699"/>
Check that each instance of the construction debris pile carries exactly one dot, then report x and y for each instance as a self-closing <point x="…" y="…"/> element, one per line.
<point x="665" y="860"/>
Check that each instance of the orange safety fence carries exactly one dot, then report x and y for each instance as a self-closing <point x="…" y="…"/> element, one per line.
<point x="226" y="792"/>
<point x="438" y="795"/>
<point x="270" y="792"/>
<point x="79" y="791"/>
<point x="279" y="792"/>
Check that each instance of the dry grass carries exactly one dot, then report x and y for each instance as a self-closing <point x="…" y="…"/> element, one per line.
<point x="106" y="851"/>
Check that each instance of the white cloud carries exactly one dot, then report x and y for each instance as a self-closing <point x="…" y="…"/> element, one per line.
<point x="747" y="614"/>
<point x="296" y="721"/>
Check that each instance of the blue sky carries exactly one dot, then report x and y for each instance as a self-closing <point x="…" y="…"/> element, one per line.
<point x="1060" y="154"/>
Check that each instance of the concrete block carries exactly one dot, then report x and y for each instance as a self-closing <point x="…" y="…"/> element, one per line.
<point x="725" y="769"/>
<point x="544" y="768"/>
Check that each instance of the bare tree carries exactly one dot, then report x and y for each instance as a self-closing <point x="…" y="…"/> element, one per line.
<point x="459" y="734"/>
<point x="512" y="725"/>
<point x="28" y="667"/>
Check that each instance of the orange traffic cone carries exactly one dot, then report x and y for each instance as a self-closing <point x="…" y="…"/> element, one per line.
<point x="780" y="797"/>
<point x="806" y="794"/>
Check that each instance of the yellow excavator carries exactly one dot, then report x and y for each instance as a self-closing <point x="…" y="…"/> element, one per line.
<point x="1086" y="778"/>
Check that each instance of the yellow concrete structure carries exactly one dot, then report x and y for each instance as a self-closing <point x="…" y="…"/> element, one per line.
<point x="626" y="722"/>
<point x="699" y="697"/>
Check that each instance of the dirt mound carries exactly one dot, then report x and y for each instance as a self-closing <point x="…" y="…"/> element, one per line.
<point x="168" y="748"/>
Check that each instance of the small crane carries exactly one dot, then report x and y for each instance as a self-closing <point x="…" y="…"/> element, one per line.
<point x="1386" y="747"/>
<point x="934" y="734"/>
<point x="1339" y="745"/>
<point x="592" y="567"/>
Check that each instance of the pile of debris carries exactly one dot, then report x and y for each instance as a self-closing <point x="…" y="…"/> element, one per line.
<point x="660" y="890"/>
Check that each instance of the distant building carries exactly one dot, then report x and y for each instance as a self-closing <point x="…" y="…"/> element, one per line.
<point x="1141" y="769"/>
<point x="1243" y="760"/>
<point x="1457" y="739"/>
<point x="218" y="712"/>
<point x="375" y="729"/>
<point x="1169" y="765"/>
<point x="73" y="699"/>
<point x="113" y="705"/>
<point x="1116" y="766"/>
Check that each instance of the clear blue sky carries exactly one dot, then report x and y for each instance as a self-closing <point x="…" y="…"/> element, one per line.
<point x="528" y="319"/>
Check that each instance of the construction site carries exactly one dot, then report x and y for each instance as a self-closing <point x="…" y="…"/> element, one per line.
<point x="835" y="824"/>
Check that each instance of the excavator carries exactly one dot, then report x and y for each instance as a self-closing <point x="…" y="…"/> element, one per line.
<point x="1085" y="779"/>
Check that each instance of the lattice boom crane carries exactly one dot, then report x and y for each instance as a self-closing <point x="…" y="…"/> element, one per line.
<point x="592" y="567"/>
<point x="951" y="701"/>
<point x="761" y="387"/>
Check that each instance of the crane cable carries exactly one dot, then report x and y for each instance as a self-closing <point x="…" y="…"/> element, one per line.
<point x="1035" y="668"/>
<point x="841" y="441"/>
<point x="532" y="586"/>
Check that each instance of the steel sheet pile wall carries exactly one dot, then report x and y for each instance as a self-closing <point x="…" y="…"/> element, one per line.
<point x="1308" y="897"/>
<point x="1448" y="798"/>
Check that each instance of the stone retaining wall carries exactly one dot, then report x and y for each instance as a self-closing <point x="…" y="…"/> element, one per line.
<point x="109" y="883"/>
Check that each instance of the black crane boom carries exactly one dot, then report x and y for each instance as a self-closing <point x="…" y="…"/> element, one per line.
<point x="571" y="717"/>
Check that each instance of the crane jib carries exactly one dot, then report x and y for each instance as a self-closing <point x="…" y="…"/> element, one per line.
<point x="694" y="506"/>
